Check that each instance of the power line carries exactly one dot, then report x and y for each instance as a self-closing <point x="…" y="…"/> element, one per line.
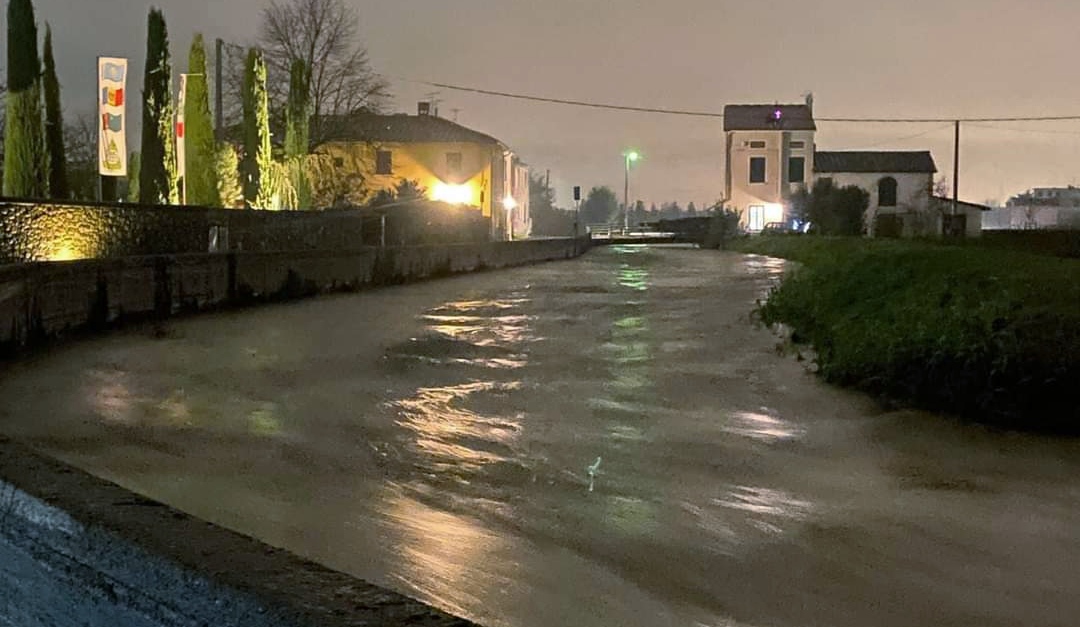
<point x="713" y="114"/>
<point x="909" y="137"/>
<point x="1026" y="130"/>
<point x="1043" y="118"/>
<point x="576" y="103"/>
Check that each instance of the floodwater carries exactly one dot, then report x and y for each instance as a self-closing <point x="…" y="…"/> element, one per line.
<point x="605" y="441"/>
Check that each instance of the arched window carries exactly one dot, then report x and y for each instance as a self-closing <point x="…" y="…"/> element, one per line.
<point x="886" y="192"/>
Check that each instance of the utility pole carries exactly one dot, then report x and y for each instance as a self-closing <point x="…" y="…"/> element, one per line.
<point x="956" y="168"/>
<point x="219" y="97"/>
<point x="629" y="158"/>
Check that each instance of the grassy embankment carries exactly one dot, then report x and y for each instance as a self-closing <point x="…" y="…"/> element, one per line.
<point x="988" y="334"/>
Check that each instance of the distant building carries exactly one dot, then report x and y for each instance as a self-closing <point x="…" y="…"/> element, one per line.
<point x="1047" y="197"/>
<point x="1027" y="217"/>
<point x="769" y="155"/>
<point x="1038" y="208"/>
<point x="900" y="185"/>
<point x="450" y="162"/>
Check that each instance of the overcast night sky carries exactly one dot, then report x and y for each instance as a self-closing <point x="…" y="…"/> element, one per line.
<point x="939" y="58"/>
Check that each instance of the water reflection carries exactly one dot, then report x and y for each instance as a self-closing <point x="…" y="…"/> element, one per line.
<point x="761" y="426"/>
<point x="480" y="330"/>
<point x="437" y="555"/>
<point x="451" y="437"/>
<point x="263" y="420"/>
<point x="769" y="269"/>
<point x="483" y="333"/>
<point x="110" y="395"/>
<point x="633" y="278"/>
<point x="768" y="508"/>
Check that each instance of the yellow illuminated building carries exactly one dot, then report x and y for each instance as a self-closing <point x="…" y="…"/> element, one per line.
<point x="450" y="162"/>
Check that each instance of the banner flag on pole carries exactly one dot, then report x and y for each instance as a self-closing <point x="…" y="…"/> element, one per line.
<point x="181" y="161"/>
<point x="112" y="129"/>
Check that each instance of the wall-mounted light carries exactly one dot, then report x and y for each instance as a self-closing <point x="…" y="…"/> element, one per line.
<point x="453" y="194"/>
<point x="509" y="203"/>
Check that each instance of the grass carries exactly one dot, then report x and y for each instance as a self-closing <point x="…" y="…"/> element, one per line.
<point x="988" y="334"/>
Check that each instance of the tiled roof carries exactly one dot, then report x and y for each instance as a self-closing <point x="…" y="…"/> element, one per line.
<point x="764" y="118"/>
<point x="869" y="161"/>
<point x="962" y="203"/>
<point x="404" y="129"/>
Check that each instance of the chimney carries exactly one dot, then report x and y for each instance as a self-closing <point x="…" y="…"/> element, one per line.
<point x="810" y="102"/>
<point x="423" y="108"/>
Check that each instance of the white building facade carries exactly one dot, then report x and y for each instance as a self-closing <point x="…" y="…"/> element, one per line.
<point x="900" y="186"/>
<point x="769" y="155"/>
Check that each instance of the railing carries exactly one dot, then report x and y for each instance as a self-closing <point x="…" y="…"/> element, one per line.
<point x="613" y="231"/>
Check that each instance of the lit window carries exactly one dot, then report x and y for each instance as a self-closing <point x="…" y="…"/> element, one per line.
<point x="796" y="169"/>
<point x="757" y="169"/>
<point x="384" y="162"/>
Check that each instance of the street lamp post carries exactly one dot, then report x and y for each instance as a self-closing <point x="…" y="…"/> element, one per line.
<point x="631" y="157"/>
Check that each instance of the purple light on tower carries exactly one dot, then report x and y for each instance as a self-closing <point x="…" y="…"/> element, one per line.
<point x="777" y="115"/>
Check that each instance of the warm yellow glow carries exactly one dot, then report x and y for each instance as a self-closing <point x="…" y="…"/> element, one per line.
<point x="509" y="203"/>
<point x="63" y="253"/>
<point x="774" y="212"/>
<point x="453" y="194"/>
<point x="66" y="234"/>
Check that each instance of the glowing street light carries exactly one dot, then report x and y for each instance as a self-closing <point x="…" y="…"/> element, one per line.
<point x="631" y="156"/>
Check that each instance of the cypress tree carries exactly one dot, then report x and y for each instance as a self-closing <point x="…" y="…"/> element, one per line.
<point x="256" y="166"/>
<point x="229" y="189"/>
<point x="134" y="167"/>
<point x="54" y="125"/>
<point x="297" y="119"/>
<point x="157" y="178"/>
<point x="199" y="132"/>
<point x="25" y="159"/>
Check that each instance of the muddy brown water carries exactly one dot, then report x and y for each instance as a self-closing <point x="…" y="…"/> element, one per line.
<point x="442" y="438"/>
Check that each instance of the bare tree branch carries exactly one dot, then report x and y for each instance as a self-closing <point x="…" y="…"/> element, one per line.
<point x="325" y="34"/>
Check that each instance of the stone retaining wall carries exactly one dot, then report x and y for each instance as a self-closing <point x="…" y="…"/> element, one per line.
<point x="48" y="231"/>
<point x="39" y="301"/>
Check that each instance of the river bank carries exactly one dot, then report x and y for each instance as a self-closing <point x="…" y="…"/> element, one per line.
<point x="990" y="335"/>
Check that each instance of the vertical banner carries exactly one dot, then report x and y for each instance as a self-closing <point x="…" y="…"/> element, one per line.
<point x="112" y="129"/>
<point x="181" y="162"/>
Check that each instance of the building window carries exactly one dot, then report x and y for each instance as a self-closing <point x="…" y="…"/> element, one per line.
<point x="453" y="163"/>
<point x="886" y="192"/>
<point x="384" y="162"/>
<point x="757" y="144"/>
<point x="796" y="169"/>
<point x="757" y="169"/>
<point x="339" y="162"/>
<point x="799" y="144"/>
